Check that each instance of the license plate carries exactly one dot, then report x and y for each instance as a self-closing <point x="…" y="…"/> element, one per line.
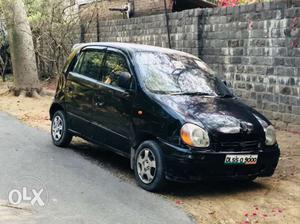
<point x="241" y="159"/>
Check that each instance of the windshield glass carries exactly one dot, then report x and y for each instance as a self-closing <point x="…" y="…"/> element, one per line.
<point x="178" y="74"/>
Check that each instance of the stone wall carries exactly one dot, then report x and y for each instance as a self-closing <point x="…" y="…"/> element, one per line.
<point x="151" y="30"/>
<point x="256" y="47"/>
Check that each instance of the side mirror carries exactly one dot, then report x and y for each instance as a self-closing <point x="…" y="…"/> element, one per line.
<point x="124" y="80"/>
<point x="227" y="83"/>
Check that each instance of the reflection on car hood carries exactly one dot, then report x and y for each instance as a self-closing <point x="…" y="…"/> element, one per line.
<point x="218" y="115"/>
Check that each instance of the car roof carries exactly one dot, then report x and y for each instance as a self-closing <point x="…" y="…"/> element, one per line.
<point x="132" y="48"/>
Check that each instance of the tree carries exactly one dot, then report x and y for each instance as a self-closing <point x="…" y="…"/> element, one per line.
<point x="22" y="51"/>
<point x="4" y="52"/>
<point x="55" y="28"/>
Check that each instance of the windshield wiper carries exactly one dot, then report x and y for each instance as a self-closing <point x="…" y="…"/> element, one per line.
<point x="191" y="93"/>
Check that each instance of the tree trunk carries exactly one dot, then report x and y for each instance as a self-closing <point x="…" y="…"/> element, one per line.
<point x="23" y="58"/>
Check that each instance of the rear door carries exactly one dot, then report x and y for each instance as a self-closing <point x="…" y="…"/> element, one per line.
<point x="82" y="84"/>
<point x="114" y="107"/>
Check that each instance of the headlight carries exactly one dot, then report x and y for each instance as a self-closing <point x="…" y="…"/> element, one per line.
<point x="270" y="135"/>
<point x="193" y="135"/>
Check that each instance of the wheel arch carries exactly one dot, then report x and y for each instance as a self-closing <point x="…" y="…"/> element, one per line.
<point x="55" y="107"/>
<point x="139" y="139"/>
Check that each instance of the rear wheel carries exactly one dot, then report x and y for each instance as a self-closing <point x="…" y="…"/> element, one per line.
<point x="59" y="132"/>
<point x="149" y="166"/>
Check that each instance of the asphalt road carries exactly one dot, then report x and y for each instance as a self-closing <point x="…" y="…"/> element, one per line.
<point x="75" y="189"/>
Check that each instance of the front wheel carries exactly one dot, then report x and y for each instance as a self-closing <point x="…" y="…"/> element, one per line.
<point x="149" y="166"/>
<point x="59" y="132"/>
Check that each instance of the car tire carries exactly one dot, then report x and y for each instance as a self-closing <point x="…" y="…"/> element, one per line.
<point x="149" y="167"/>
<point x="61" y="137"/>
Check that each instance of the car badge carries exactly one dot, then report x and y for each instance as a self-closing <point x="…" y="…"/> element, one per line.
<point x="246" y="127"/>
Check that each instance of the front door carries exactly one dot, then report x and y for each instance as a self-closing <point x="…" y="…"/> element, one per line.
<point x="81" y="87"/>
<point x="114" y="104"/>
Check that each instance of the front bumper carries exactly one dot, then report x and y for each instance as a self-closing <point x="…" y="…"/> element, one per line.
<point x="185" y="165"/>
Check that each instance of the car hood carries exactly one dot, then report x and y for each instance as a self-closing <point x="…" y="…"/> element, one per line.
<point x="226" y="119"/>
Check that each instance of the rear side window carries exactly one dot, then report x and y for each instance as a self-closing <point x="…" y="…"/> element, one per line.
<point x="115" y="64"/>
<point x="89" y="64"/>
<point x="71" y="61"/>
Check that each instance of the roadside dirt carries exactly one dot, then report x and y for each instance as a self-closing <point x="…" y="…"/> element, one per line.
<point x="32" y="111"/>
<point x="266" y="200"/>
<point x="11" y="214"/>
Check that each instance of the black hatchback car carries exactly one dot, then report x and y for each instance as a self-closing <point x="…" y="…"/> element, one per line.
<point x="165" y="110"/>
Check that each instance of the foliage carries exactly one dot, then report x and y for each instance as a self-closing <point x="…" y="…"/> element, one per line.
<point x="54" y="25"/>
<point x="228" y="3"/>
<point x="4" y="52"/>
<point x="34" y="10"/>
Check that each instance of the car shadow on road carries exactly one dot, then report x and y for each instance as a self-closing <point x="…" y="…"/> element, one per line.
<point x="116" y="164"/>
<point x="120" y="167"/>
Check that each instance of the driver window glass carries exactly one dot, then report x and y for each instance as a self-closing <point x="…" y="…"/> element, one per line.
<point x="89" y="64"/>
<point x="114" y="65"/>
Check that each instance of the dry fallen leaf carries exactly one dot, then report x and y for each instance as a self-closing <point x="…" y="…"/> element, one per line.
<point x="212" y="212"/>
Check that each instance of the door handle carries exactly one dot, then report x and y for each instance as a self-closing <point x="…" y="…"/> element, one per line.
<point x="124" y="95"/>
<point x="99" y="104"/>
<point x="70" y="89"/>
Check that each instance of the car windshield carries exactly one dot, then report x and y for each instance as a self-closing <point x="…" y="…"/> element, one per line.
<point x="178" y="74"/>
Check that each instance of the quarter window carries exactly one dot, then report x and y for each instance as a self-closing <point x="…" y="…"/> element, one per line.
<point x="114" y="65"/>
<point x="89" y="64"/>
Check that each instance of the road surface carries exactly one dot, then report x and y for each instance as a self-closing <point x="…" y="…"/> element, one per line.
<point x="74" y="188"/>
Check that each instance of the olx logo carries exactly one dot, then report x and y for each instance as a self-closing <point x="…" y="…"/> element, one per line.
<point x="29" y="190"/>
<point x="33" y="196"/>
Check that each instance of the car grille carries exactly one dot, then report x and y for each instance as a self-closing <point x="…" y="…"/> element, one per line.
<point x="237" y="146"/>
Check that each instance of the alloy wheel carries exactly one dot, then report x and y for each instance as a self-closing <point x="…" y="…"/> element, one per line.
<point x="146" y="166"/>
<point x="57" y="128"/>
